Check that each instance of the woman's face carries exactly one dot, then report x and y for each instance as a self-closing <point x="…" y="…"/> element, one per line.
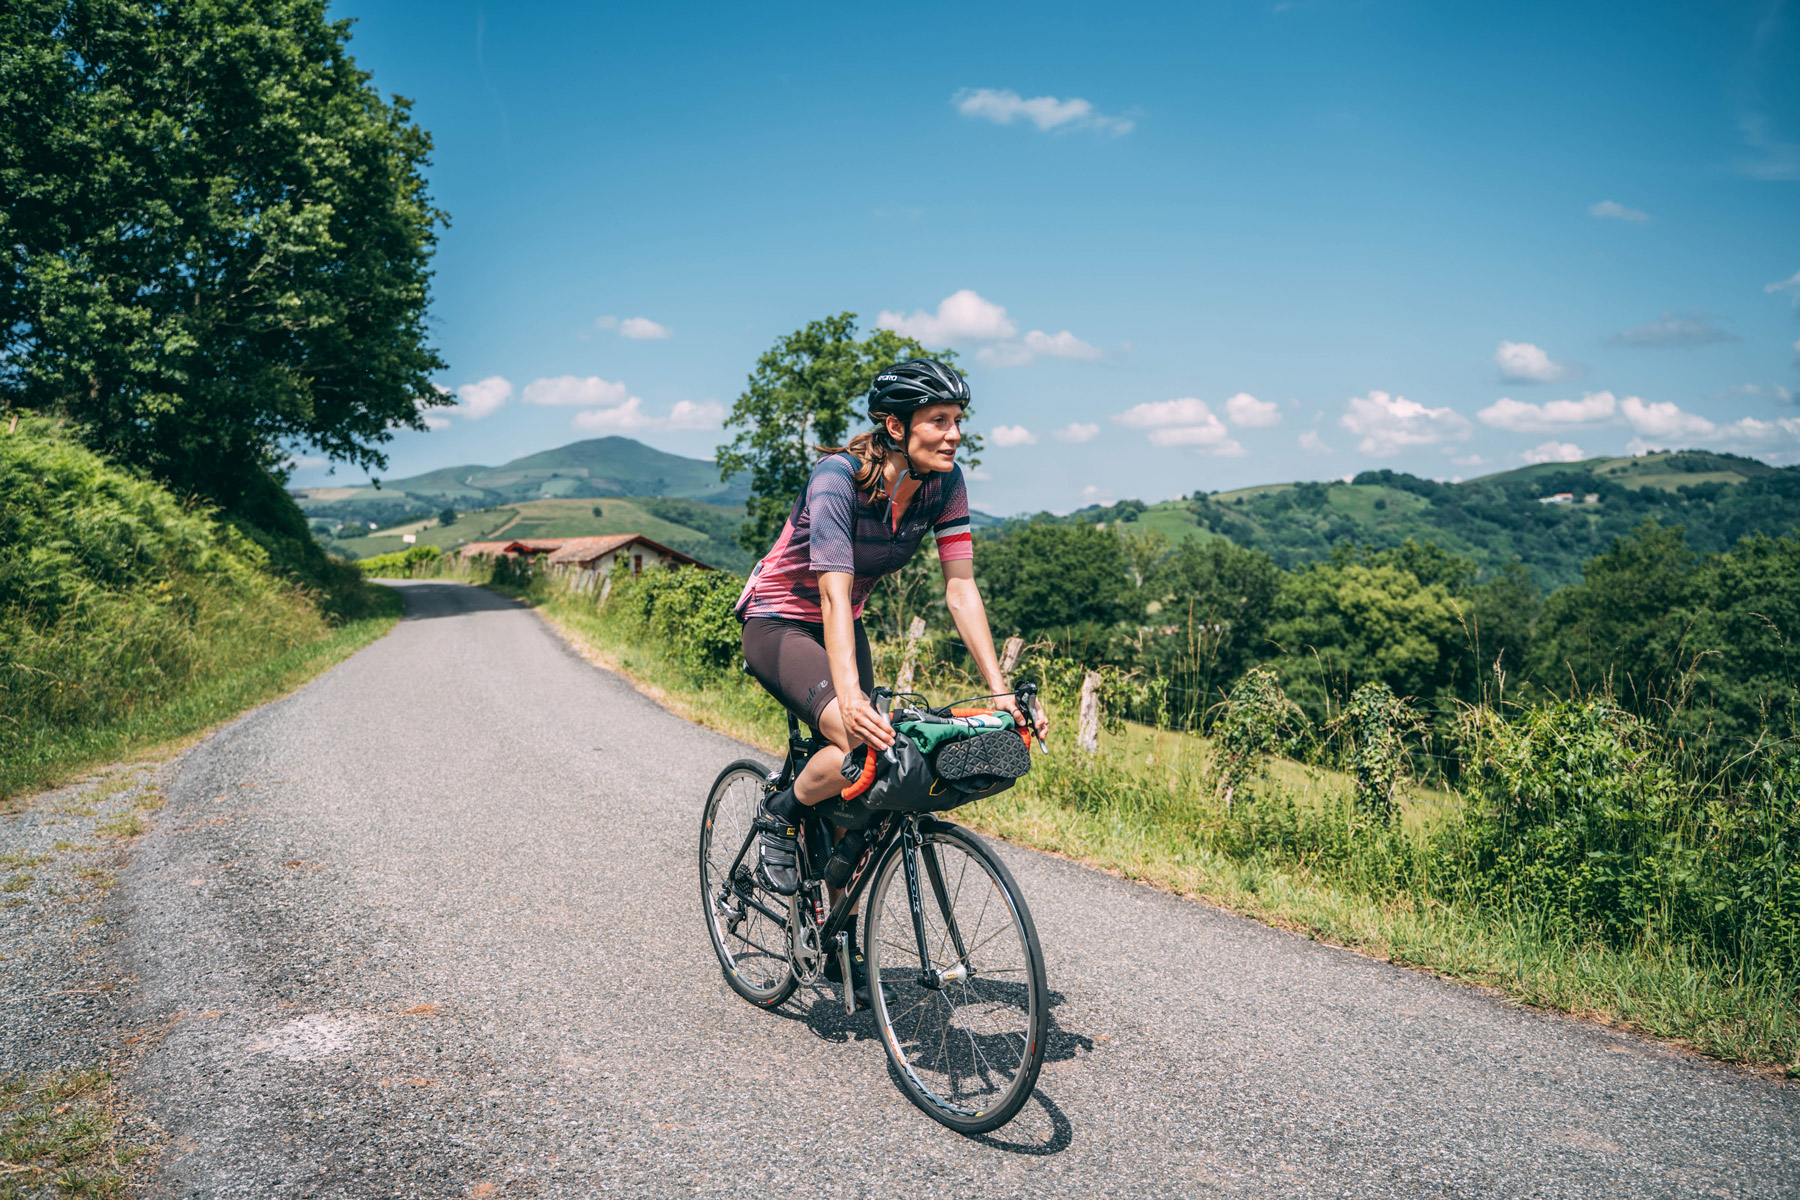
<point x="936" y="433"/>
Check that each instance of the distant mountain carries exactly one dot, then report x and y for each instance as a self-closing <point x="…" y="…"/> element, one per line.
<point x="596" y="468"/>
<point x="1551" y="517"/>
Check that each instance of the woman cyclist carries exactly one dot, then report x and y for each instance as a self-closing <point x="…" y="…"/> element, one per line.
<point x="866" y="508"/>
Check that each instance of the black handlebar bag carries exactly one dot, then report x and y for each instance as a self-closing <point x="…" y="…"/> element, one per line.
<point x="954" y="773"/>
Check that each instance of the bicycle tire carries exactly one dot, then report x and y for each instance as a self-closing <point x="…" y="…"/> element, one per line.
<point x="751" y="949"/>
<point x="986" y="1007"/>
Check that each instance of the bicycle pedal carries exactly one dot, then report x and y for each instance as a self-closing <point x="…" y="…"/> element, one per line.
<point x="1001" y="754"/>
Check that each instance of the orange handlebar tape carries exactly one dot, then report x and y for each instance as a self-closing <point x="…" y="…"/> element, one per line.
<point x="866" y="780"/>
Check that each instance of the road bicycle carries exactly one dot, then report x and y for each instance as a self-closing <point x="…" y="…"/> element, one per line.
<point x="956" y="976"/>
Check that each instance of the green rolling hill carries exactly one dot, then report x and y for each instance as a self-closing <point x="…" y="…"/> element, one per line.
<point x="1718" y="498"/>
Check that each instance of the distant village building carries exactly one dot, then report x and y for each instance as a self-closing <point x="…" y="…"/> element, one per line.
<point x="595" y="557"/>
<point x="1559" y="498"/>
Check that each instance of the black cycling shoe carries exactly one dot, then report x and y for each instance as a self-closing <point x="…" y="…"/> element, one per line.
<point x="859" y="978"/>
<point x="778" y="850"/>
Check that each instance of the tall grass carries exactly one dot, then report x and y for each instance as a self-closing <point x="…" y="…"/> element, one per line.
<point x="1576" y="869"/>
<point x="125" y="614"/>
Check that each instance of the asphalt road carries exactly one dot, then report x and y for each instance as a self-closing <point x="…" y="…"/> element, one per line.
<point x="429" y="927"/>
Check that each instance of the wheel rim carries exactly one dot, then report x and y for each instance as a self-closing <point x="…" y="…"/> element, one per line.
<point x="750" y="945"/>
<point x="965" y="1047"/>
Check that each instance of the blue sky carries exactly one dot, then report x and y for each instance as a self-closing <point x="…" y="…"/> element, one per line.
<point x="1178" y="247"/>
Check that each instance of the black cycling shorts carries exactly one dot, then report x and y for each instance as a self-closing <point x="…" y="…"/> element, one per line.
<point x="788" y="658"/>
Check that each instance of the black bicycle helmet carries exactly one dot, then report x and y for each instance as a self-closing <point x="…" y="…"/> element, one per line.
<point x="906" y="387"/>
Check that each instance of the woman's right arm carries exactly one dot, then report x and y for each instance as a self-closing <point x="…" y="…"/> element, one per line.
<point x="866" y="726"/>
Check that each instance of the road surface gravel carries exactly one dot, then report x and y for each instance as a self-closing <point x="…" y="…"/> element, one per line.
<point x="429" y="927"/>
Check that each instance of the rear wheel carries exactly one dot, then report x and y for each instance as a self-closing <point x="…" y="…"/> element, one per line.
<point x="965" y="1031"/>
<point x="741" y="917"/>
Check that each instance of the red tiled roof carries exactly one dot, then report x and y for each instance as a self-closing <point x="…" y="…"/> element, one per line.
<point x="536" y="545"/>
<point x="587" y="549"/>
<point x="472" y="549"/>
<point x="580" y="551"/>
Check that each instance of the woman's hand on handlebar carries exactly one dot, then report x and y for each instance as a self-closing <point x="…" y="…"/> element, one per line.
<point x="865" y="724"/>
<point x="1010" y="704"/>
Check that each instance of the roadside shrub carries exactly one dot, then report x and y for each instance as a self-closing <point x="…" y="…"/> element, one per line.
<point x="411" y="563"/>
<point x="690" y="610"/>
<point x="1258" y="722"/>
<point x="1377" y="723"/>
<point x="113" y="595"/>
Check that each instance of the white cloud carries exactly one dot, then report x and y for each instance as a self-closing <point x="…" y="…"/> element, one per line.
<point x="1093" y="493"/>
<point x="1012" y="435"/>
<point x="962" y="316"/>
<point x="1312" y="443"/>
<point x="1059" y="345"/>
<point x="1076" y="432"/>
<point x="1790" y="284"/>
<point x="606" y="322"/>
<point x="1664" y="419"/>
<point x="1246" y="410"/>
<point x="573" y="392"/>
<point x="1025" y="351"/>
<point x="1520" y="417"/>
<point x="1386" y="423"/>
<point x="620" y="418"/>
<point x="1005" y="354"/>
<point x="1158" y="413"/>
<point x="1182" y="422"/>
<point x="1674" y="329"/>
<point x="1548" y="452"/>
<point x="707" y="414"/>
<point x="642" y="329"/>
<point x="1471" y="460"/>
<point x="1777" y="158"/>
<point x="307" y="462"/>
<point x="1003" y="106"/>
<point x="436" y="423"/>
<point x="1774" y="391"/>
<point x="1617" y="211"/>
<point x="483" y="398"/>
<point x="1522" y="362"/>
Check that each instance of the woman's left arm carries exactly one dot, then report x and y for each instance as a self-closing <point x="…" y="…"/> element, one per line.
<point x="963" y="599"/>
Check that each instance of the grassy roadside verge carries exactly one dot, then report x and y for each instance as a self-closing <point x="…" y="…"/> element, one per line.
<point x="251" y="677"/>
<point x="1173" y="842"/>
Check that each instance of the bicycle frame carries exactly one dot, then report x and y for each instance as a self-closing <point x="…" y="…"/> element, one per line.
<point x="905" y="828"/>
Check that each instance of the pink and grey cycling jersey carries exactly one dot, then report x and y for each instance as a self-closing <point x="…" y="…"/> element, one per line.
<point x="833" y="527"/>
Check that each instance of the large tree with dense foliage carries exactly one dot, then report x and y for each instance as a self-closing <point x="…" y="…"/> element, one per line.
<point x="1065" y="582"/>
<point x="216" y="237"/>
<point x="805" y="392"/>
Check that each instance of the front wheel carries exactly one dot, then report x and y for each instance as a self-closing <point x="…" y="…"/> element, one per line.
<point x="742" y="919"/>
<point x="965" y="1030"/>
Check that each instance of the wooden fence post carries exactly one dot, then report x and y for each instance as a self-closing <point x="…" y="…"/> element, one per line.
<point x="1009" y="658"/>
<point x="1089" y="736"/>
<point x="914" y="634"/>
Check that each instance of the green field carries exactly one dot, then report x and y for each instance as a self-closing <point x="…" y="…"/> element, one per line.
<point x="566" y="518"/>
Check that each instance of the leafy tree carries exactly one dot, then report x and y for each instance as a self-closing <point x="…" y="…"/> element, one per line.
<point x="1218" y="598"/>
<point x="1063" y="581"/>
<point x="1622" y="628"/>
<point x="217" y="237"/>
<point x="1353" y="624"/>
<point x="806" y="390"/>
<point x="447" y="517"/>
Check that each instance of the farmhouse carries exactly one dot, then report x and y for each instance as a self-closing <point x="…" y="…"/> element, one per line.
<point x="598" y="555"/>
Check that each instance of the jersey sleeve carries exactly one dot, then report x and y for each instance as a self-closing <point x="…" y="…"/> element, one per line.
<point x="951" y="529"/>
<point x="831" y="506"/>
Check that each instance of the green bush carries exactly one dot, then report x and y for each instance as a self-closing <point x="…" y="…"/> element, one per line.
<point x="690" y="610"/>
<point x="1579" y="812"/>
<point x="113" y="595"/>
<point x="409" y="563"/>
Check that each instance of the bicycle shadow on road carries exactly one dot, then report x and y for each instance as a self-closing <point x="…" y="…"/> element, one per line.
<point x="1039" y="1130"/>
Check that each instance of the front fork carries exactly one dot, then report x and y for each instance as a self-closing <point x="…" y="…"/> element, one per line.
<point x="913" y="848"/>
